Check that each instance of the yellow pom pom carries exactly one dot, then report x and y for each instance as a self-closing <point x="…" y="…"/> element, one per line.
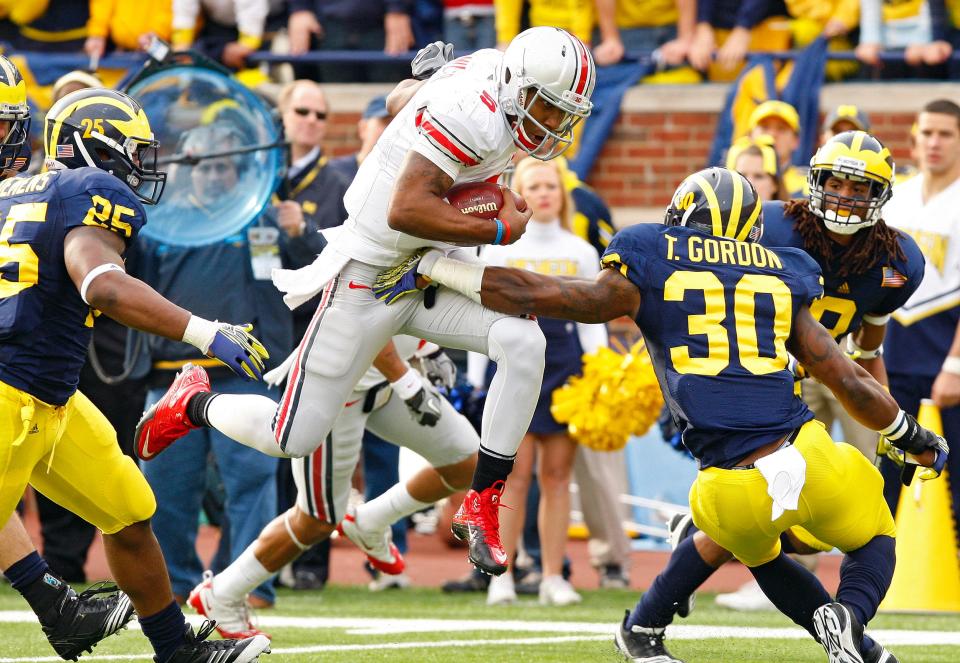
<point x="616" y="397"/>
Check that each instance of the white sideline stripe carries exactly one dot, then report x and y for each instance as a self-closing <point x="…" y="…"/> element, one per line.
<point x="586" y="631"/>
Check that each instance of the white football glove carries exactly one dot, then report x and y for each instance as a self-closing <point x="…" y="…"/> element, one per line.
<point x="430" y="58"/>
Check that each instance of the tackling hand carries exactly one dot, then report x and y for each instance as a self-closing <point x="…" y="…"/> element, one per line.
<point x="232" y="344"/>
<point x="393" y="283"/>
<point x="916" y="448"/>
<point x="430" y="58"/>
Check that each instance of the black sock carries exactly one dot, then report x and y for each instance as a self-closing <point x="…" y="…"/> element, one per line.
<point x="165" y="630"/>
<point x="793" y="589"/>
<point x="197" y="408"/>
<point x="33" y="579"/>
<point x="491" y="468"/>
<point x="865" y="577"/>
<point x="685" y="571"/>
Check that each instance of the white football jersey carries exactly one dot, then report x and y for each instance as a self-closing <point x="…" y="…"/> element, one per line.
<point x="455" y="121"/>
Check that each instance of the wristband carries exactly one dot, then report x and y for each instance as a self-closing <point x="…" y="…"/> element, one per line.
<point x="878" y="320"/>
<point x="408" y="385"/>
<point x="506" y="233"/>
<point x="499" y="237"/>
<point x="856" y="352"/>
<point x="200" y="333"/>
<point x="951" y="365"/>
<point x="897" y="429"/>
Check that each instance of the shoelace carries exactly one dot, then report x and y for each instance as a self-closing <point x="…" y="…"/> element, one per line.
<point x="86" y="600"/>
<point x="489" y="511"/>
<point x="205" y="630"/>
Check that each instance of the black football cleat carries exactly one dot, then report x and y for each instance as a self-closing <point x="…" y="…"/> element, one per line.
<point x="841" y="636"/>
<point x="78" y="622"/>
<point x="639" y="644"/>
<point x="197" y="649"/>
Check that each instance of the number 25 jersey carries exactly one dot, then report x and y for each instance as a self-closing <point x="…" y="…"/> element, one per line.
<point x="45" y="326"/>
<point x="716" y="315"/>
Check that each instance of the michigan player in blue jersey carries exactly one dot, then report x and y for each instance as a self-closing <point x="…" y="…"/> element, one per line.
<point x="719" y="314"/>
<point x="73" y="623"/>
<point x="64" y="233"/>
<point x="869" y="271"/>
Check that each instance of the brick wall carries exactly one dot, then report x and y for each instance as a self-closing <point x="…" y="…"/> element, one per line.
<point x="665" y="132"/>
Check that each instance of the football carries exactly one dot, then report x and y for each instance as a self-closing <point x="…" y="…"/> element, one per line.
<point x="483" y="199"/>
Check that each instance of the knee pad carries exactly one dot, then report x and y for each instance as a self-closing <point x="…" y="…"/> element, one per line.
<point x="519" y="343"/>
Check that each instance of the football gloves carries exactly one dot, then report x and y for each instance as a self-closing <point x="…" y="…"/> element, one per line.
<point x="239" y="350"/>
<point x="396" y="282"/>
<point x="794" y="366"/>
<point x="439" y="369"/>
<point x="430" y="58"/>
<point x="913" y="442"/>
<point x="424" y="406"/>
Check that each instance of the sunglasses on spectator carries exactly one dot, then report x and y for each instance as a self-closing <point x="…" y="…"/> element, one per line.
<point x="303" y="112"/>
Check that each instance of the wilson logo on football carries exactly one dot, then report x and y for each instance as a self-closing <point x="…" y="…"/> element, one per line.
<point x="480" y="207"/>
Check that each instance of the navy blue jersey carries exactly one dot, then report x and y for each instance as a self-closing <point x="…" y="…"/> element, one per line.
<point x="880" y="290"/>
<point x="44" y="325"/>
<point x="591" y="218"/>
<point x="716" y="314"/>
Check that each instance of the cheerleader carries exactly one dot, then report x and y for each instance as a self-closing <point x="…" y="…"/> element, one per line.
<point x="548" y="247"/>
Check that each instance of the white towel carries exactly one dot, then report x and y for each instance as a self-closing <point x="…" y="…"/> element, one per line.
<point x="785" y="471"/>
<point x="302" y="284"/>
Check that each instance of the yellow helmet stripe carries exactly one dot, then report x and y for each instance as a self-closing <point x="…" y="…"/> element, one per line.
<point x="751" y="221"/>
<point x="857" y="141"/>
<point x="712" y="201"/>
<point x="735" y="207"/>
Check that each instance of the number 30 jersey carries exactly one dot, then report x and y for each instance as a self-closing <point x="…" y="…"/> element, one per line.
<point x="716" y="315"/>
<point x="45" y="326"/>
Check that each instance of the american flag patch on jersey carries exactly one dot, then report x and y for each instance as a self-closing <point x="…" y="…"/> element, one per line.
<point x="65" y="151"/>
<point x="19" y="163"/>
<point x="892" y="278"/>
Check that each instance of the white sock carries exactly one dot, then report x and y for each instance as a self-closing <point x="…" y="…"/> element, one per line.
<point x="240" y="578"/>
<point x="246" y="418"/>
<point x="388" y="508"/>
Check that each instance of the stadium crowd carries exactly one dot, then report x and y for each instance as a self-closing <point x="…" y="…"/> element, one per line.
<point x="276" y="515"/>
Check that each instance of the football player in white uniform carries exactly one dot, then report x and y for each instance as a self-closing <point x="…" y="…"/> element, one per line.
<point x="461" y="125"/>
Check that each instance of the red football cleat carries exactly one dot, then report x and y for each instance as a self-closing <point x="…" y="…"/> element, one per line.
<point x="478" y="523"/>
<point x="166" y="420"/>
<point x="380" y="550"/>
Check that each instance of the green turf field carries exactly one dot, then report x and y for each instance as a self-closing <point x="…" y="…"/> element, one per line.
<point x="352" y="624"/>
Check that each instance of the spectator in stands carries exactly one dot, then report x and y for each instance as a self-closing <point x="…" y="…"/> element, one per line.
<point x="780" y="121"/>
<point x="126" y="25"/>
<point x="735" y="27"/>
<point x="469" y="24"/>
<point x="185" y="274"/>
<point x="845" y="117"/>
<point x="922" y="347"/>
<point x="920" y="28"/>
<point x="312" y="194"/>
<point x="52" y="26"/>
<point x="351" y="25"/>
<point x="232" y="29"/>
<point x="575" y="16"/>
<point x="547" y="246"/>
<point x="372" y="124"/>
<point x="78" y="79"/>
<point x="630" y="26"/>
<point x="831" y="19"/>
<point x="756" y="159"/>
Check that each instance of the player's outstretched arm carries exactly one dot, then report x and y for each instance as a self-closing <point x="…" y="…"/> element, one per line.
<point x="93" y="259"/>
<point x="610" y="296"/>
<point x="417" y="208"/>
<point x="859" y="393"/>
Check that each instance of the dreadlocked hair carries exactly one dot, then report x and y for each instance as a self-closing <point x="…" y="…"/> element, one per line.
<point x="877" y="243"/>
